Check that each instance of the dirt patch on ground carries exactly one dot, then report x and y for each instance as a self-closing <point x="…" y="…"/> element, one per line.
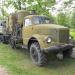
<point x="3" y="71"/>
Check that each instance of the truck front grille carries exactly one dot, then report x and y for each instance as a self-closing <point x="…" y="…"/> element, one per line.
<point x="63" y="36"/>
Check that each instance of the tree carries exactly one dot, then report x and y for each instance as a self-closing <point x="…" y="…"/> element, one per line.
<point x="17" y="4"/>
<point x="72" y="20"/>
<point x="2" y="10"/>
<point x="61" y="19"/>
<point x="41" y="6"/>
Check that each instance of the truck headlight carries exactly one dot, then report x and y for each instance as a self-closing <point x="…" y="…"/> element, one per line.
<point x="49" y="40"/>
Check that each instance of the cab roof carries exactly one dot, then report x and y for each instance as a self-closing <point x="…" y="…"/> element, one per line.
<point x="30" y="16"/>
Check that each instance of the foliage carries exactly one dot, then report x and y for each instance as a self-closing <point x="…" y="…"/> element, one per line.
<point x="2" y="10"/>
<point x="72" y="20"/>
<point x="41" y="6"/>
<point x="66" y="19"/>
<point x="17" y="4"/>
<point x="61" y="19"/>
<point x="66" y="15"/>
<point x="72" y="33"/>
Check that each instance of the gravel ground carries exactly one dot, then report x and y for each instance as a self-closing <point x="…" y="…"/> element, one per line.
<point x="3" y="71"/>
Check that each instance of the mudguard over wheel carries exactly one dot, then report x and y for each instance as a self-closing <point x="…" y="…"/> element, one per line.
<point x="38" y="57"/>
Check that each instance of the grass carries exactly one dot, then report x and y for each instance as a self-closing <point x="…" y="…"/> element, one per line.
<point x="18" y="62"/>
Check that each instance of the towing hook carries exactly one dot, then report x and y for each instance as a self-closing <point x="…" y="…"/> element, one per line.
<point x="59" y="56"/>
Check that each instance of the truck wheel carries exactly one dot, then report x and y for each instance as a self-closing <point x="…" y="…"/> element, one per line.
<point x="12" y="43"/>
<point x="38" y="57"/>
<point x="67" y="53"/>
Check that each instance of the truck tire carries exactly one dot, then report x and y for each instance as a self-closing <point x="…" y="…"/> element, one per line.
<point x="67" y="53"/>
<point x="38" y="57"/>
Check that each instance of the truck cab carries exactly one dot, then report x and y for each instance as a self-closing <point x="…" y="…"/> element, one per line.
<point x="43" y="29"/>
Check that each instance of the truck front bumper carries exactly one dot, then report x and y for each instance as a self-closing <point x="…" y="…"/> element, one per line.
<point x="59" y="48"/>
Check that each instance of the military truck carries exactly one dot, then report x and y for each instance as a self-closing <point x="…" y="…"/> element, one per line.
<point x="39" y="35"/>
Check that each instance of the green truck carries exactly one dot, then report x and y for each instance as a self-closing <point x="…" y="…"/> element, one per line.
<point x="39" y="35"/>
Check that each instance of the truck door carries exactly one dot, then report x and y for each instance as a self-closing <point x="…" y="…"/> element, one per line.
<point x="27" y="30"/>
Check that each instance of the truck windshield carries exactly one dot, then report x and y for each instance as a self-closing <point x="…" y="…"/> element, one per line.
<point x="41" y="20"/>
